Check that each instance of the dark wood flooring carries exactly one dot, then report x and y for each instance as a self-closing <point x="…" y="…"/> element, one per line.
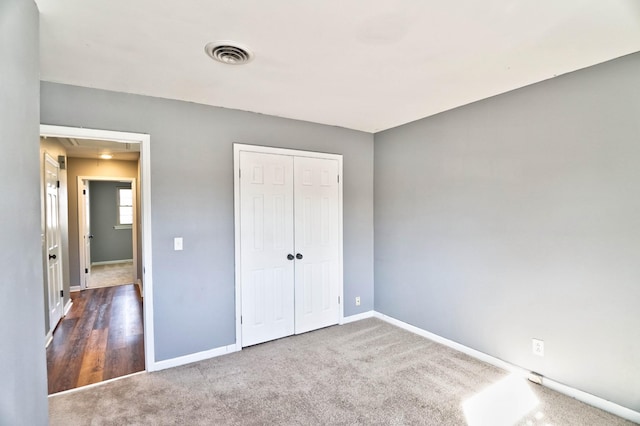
<point x="100" y="338"/>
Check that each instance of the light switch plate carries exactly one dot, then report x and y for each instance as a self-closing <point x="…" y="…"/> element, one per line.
<point x="177" y="243"/>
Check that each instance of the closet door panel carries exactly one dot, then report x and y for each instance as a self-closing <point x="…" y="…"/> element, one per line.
<point x="317" y="210"/>
<point x="266" y="238"/>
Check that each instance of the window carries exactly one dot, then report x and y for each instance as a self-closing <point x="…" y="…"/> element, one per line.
<point x="125" y="206"/>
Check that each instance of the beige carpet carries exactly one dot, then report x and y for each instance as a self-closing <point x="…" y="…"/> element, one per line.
<point x="111" y="274"/>
<point x="364" y="373"/>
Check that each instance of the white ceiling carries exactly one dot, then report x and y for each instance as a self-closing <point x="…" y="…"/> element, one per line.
<point x="90" y="148"/>
<point x="362" y="64"/>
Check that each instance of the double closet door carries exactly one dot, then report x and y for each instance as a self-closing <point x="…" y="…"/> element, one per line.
<point x="290" y="254"/>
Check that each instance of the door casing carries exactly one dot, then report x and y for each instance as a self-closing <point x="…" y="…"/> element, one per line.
<point x="237" y="148"/>
<point x="145" y="170"/>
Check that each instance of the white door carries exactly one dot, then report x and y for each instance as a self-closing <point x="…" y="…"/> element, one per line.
<point x="289" y="214"/>
<point x="317" y="237"/>
<point x="266" y="239"/>
<point x="86" y="233"/>
<point x="52" y="241"/>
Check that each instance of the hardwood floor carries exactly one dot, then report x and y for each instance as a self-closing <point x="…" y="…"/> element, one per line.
<point x="100" y="338"/>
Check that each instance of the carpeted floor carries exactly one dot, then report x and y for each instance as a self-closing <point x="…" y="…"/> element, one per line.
<point x="366" y="373"/>
<point x="111" y="274"/>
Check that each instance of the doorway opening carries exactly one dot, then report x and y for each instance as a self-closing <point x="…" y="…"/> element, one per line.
<point x="106" y="331"/>
<point x="108" y="230"/>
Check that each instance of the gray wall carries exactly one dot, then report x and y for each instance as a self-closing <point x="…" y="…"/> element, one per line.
<point x="192" y="196"/>
<point x="108" y="243"/>
<point x="518" y="217"/>
<point x="23" y="393"/>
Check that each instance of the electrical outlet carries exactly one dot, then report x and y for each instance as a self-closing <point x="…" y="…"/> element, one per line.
<point x="358" y="301"/>
<point x="537" y="347"/>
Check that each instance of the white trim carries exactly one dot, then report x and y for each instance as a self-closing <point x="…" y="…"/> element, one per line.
<point x="94" y="385"/>
<point x="48" y="339"/>
<point x="111" y="262"/>
<point x="453" y="345"/>
<point x="237" y="148"/>
<point x="585" y="397"/>
<point x="198" y="356"/>
<point x="139" y="284"/>
<point x="75" y="288"/>
<point x="67" y="307"/>
<point x="145" y="170"/>
<point x="358" y="317"/>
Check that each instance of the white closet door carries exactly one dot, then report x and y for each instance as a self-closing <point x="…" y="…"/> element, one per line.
<point x="266" y="238"/>
<point x="317" y="210"/>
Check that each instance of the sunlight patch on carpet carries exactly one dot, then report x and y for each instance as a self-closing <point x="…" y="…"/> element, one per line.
<point x="503" y="403"/>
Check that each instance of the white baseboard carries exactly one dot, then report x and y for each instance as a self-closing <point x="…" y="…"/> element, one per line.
<point x="49" y="336"/>
<point x="188" y="359"/>
<point x="357" y="317"/>
<point x="75" y="288"/>
<point x="111" y="262"/>
<point x="139" y="284"/>
<point x="596" y="401"/>
<point x="585" y="397"/>
<point x="67" y="307"/>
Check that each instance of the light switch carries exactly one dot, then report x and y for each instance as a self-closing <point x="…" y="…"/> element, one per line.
<point x="177" y="243"/>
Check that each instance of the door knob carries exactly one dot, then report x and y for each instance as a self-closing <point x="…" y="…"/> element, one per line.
<point x="290" y="256"/>
<point x="298" y="256"/>
<point x="52" y="256"/>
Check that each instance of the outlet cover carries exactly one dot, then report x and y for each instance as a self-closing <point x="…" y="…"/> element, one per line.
<point x="358" y="301"/>
<point x="537" y="347"/>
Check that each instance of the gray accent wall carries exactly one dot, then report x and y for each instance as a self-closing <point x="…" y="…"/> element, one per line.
<point x="23" y="392"/>
<point x="192" y="197"/>
<point x="108" y="243"/>
<point x="518" y="217"/>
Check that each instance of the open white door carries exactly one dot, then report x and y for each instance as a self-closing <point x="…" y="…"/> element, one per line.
<point x="52" y="241"/>
<point x="317" y="239"/>
<point x="85" y="232"/>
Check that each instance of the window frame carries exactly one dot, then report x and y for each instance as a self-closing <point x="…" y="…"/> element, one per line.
<point x="119" y="224"/>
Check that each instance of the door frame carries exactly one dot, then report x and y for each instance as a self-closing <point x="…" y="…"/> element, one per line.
<point x="82" y="217"/>
<point x="237" y="148"/>
<point x="145" y="207"/>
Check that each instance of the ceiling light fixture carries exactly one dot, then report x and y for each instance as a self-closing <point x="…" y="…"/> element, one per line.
<point x="228" y="52"/>
<point x="106" y="156"/>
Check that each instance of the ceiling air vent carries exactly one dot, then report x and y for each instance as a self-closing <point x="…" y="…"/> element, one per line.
<point x="228" y="52"/>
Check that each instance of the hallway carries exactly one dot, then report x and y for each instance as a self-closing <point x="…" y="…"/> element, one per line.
<point x="100" y="338"/>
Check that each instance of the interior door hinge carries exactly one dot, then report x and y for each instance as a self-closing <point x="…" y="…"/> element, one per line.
<point x="61" y="293"/>
<point x="338" y="178"/>
<point x="86" y="270"/>
<point x="58" y="183"/>
<point x="240" y="319"/>
<point x="338" y="300"/>
<point x="84" y="192"/>
<point x="239" y="173"/>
